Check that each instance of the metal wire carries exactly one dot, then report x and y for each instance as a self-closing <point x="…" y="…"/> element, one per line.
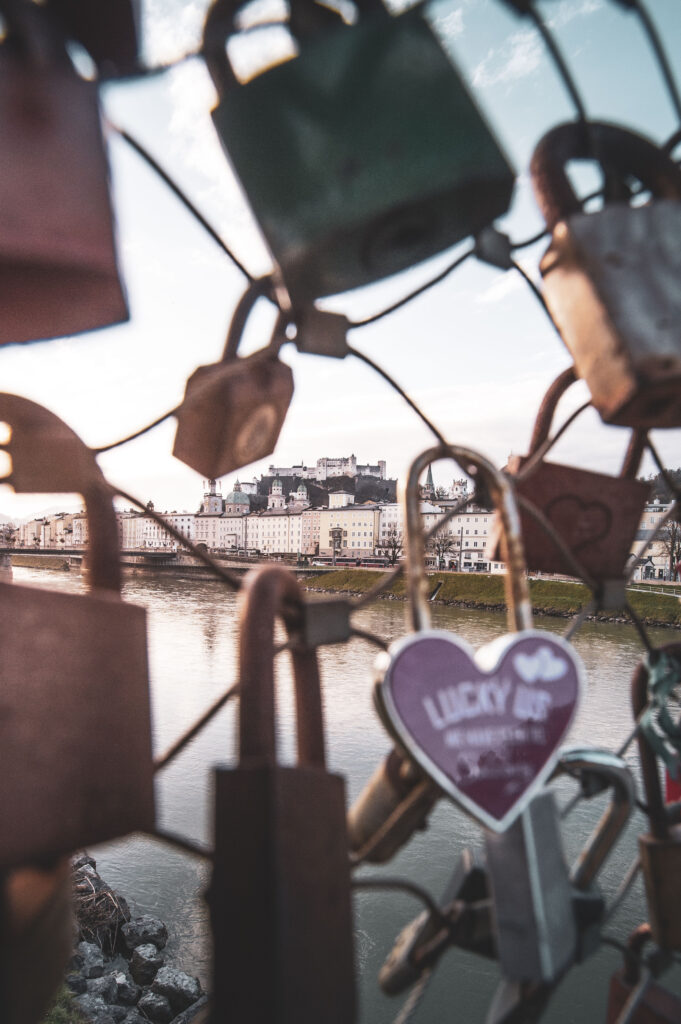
<point x="178" y="746"/>
<point x="579" y="619"/>
<point x="230" y="578"/>
<point x="538" y="457"/>
<point x="387" y="580"/>
<point x="182" y="843"/>
<point x="660" y="54"/>
<point x="181" y="195"/>
<point x="559" y="62"/>
<point x="640" y="628"/>
<point x="536" y="292"/>
<point x="401" y="392"/>
<point x="138" y="433"/>
<point x="375" y="317"/>
<point x="624" y="887"/>
<point x="371" y="638"/>
<point x="403" y="885"/>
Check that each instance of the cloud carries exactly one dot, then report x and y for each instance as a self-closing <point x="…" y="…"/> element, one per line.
<point x="567" y="10"/>
<point x="449" y="24"/>
<point x="520" y="56"/>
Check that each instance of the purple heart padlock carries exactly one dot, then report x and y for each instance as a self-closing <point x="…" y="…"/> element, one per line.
<point x="485" y="725"/>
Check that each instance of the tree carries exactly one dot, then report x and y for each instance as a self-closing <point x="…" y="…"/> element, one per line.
<point x="670" y="539"/>
<point x="392" y="545"/>
<point x="441" y="544"/>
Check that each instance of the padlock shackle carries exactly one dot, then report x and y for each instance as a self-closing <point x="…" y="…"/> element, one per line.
<point x="48" y="457"/>
<point x="659" y="824"/>
<point x="617" y="775"/>
<point x="503" y="494"/>
<point x="220" y="24"/>
<point x="615" y="148"/>
<point x="267" y="593"/>
<point x="547" y="411"/>
<point x="255" y="290"/>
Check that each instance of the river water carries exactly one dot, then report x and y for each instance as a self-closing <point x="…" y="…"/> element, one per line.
<point x="192" y="649"/>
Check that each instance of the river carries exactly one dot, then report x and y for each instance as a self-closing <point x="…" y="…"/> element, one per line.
<point x="192" y="648"/>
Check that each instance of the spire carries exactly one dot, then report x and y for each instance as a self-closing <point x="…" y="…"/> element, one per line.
<point x="430" y="486"/>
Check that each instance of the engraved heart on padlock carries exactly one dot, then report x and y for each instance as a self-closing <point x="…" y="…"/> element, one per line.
<point x="579" y="523"/>
<point x="485" y="725"/>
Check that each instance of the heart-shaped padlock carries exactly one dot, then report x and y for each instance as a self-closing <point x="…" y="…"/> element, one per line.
<point x="485" y="726"/>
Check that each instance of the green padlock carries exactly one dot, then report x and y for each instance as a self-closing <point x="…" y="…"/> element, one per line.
<point x="360" y="157"/>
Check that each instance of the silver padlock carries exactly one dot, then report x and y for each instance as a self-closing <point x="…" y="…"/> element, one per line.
<point x="535" y="925"/>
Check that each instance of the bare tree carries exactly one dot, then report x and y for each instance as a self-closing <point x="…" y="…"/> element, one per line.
<point x="392" y="545"/>
<point x="441" y="544"/>
<point x="670" y="539"/>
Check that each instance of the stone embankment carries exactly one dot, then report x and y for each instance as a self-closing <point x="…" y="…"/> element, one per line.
<point x="118" y="973"/>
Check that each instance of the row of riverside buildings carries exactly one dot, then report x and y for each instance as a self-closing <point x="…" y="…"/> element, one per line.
<point x="292" y="525"/>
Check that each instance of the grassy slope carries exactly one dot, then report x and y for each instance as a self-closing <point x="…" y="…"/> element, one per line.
<point x="551" y="597"/>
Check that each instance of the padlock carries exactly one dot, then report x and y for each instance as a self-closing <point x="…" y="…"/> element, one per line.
<point x="233" y="410"/>
<point x="610" y="278"/>
<point x="595" y="515"/>
<point x="379" y="805"/>
<point x="660" y="849"/>
<point x="75" y="733"/>
<point x="655" y="1005"/>
<point x="36" y="939"/>
<point x="519" y="1001"/>
<point x="370" y="154"/>
<point x="464" y="920"/>
<point x="57" y="252"/>
<point x="280" y="894"/>
<point x="535" y="926"/>
<point x="478" y="725"/>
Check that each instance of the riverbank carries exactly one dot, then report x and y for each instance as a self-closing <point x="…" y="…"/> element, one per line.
<point x="118" y="972"/>
<point x="477" y="590"/>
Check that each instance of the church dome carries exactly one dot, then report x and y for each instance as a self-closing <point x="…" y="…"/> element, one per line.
<point x="237" y="498"/>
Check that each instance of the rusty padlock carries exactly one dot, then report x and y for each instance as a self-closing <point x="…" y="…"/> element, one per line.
<point x="610" y="278"/>
<point x="595" y="515"/>
<point x="233" y="410"/>
<point x="660" y="849"/>
<point x="280" y="894"/>
<point x="75" y="734"/>
<point x="57" y="253"/>
<point x="370" y="153"/>
<point x="655" y="1004"/>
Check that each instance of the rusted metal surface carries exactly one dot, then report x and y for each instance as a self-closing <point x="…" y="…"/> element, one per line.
<point x="611" y="277"/>
<point x="75" y="733"/>
<point x="654" y="1004"/>
<point x="233" y="411"/>
<point x="59" y="271"/>
<point x="36" y="939"/>
<point x="280" y="892"/>
<point x="595" y="515"/>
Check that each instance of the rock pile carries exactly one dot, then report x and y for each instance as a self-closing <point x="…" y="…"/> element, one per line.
<point x="118" y="974"/>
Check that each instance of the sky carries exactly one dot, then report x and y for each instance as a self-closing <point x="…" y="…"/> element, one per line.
<point x="476" y="352"/>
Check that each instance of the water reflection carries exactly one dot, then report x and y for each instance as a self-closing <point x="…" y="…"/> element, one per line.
<point x="192" y="645"/>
